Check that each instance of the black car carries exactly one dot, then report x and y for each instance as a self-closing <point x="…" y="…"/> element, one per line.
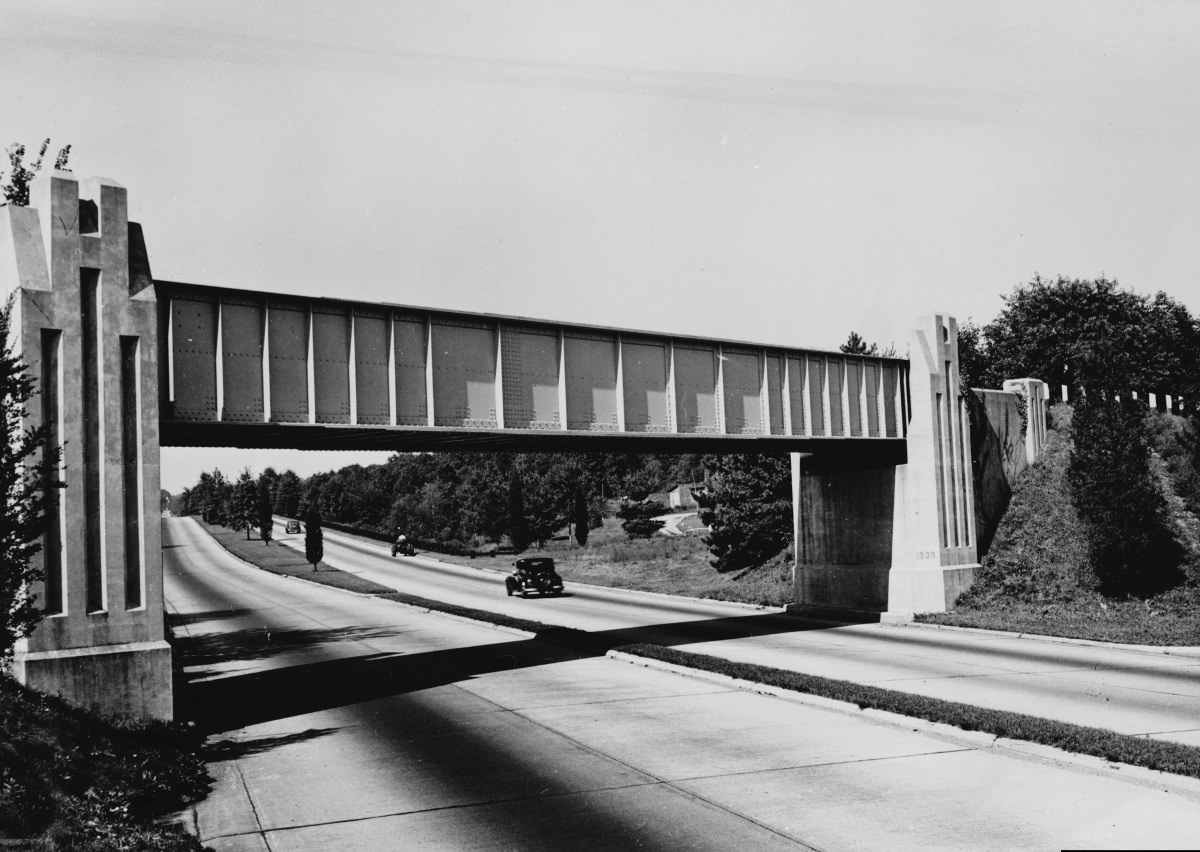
<point x="293" y="527"/>
<point x="534" y="574"/>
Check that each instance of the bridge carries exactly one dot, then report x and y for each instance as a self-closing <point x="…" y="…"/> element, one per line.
<point x="880" y="447"/>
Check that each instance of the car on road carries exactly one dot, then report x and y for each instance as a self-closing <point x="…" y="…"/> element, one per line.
<point x="293" y="527"/>
<point x="533" y="575"/>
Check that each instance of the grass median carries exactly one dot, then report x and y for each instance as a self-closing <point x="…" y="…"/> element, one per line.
<point x="286" y="562"/>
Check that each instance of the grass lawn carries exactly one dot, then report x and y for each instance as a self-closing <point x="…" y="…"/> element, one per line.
<point x="673" y="565"/>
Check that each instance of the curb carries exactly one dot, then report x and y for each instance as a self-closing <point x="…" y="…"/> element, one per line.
<point x="1019" y="749"/>
<point x="1166" y="650"/>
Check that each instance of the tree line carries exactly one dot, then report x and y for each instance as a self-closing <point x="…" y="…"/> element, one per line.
<point x="454" y="501"/>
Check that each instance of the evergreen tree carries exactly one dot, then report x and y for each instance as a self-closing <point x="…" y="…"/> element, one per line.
<point x="518" y="530"/>
<point x="314" y="543"/>
<point x="1119" y="500"/>
<point x="580" y="513"/>
<point x="748" y="509"/>
<point x="265" y="521"/>
<point x="28" y="479"/>
<point x="244" y="513"/>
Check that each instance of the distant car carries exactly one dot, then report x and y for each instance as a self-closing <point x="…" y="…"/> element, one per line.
<point x="533" y="574"/>
<point x="293" y="527"/>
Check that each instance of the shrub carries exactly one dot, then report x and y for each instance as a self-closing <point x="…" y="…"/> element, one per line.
<point x="1120" y="502"/>
<point x="638" y="519"/>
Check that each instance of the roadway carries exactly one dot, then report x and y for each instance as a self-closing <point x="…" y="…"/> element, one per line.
<point x="340" y="721"/>
<point x="581" y="606"/>
<point x="1142" y="691"/>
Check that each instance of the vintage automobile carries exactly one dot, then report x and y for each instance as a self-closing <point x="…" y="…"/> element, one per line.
<point x="533" y="574"/>
<point x="293" y="527"/>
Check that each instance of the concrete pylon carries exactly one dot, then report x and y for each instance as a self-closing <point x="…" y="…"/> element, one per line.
<point x="1036" y="394"/>
<point x="935" y="553"/>
<point x="896" y="539"/>
<point x="86" y="324"/>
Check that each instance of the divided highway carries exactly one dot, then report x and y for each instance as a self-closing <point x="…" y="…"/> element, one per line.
<point x="341" y="721"/>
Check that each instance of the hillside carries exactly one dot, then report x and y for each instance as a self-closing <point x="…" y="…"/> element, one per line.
<point x="72" y="780"/>
<point x="1037" y="577"/>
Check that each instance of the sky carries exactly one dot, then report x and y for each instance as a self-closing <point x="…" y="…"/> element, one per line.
<point x="773" y="171"/>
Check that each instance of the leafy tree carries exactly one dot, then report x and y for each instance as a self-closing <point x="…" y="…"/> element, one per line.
<point x="286" y="496"/>
<point x="748" y="509"/>
<point x="1093" y="335"/>
<point x="518" y="530"/>
<point x="314" y="541"/>
<point x="1119" y="500"/>
<point x="16" y="188"/>
<point x="974" y="370"/>
<point x="580" y="516"/>
<point x="28" y="465"/>
<point x="265" y="521"/>
<point x="484" y="497"/>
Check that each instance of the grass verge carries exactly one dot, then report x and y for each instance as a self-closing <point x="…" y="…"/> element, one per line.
<point x="1118" y="748"/>
<point x="288" y="563"/>
<point x="70" y="779"/>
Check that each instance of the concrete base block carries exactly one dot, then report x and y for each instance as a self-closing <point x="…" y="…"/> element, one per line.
<point x="130" y="680"/>
<point x="850" y="587"/>
<point x="928" y="589"/>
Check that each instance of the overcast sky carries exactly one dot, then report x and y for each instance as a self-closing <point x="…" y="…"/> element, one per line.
<point x="779" y="172"/>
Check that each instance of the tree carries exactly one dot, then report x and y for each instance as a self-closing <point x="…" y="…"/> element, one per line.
<point x="518" y="530"/>
<point x="16" y="189"/>
<point x="265" y="521"/>
<point x="748" y="509"/>
<point x="28" y="478"/>
<point x="1095" y="336"/>
<point x="855" y="345"/>
<point x="287" y="494"/>
<point x="580" y="515"/>
<point x="244" y="514"/>
<point x="640" y="518"/>
<point x="314" y="544"/>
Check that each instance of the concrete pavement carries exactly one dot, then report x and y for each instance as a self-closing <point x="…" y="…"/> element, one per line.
<point x="1137" y="690"/>
<point x="344" y="722"/>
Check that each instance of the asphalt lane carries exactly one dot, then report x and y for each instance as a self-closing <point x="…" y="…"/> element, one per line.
<point x="343" y="722"/>
<point x="582" y="606"/>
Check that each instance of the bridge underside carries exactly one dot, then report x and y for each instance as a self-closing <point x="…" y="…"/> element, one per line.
<point x="834" y="451"/>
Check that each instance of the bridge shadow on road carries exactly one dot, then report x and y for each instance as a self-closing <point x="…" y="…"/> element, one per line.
<point x="228" y="703"/>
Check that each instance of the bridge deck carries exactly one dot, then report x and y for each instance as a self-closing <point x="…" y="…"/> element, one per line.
<point x="255" y="369"/>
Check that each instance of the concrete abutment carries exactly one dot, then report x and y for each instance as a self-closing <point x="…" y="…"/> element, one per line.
<point x="86" y="326"/>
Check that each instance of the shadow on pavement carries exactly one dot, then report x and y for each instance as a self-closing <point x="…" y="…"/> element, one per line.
<point x="229" y="703"/>
<point x="232" y="749"/>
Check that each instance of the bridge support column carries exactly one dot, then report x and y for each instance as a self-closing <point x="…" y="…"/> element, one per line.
<point x="86" y="325"/>
<point x="895" y="539"/>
